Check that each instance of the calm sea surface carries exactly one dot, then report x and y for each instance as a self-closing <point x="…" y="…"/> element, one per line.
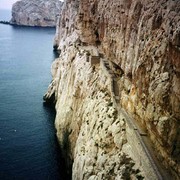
<point x="28" y="145"/>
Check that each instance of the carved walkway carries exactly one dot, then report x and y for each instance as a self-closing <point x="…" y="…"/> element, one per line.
<point x="154" y="168"/>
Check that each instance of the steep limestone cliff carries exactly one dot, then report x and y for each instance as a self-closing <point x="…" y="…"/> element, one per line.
<point x="36" y="12"/>
<point x="139" y="43"/>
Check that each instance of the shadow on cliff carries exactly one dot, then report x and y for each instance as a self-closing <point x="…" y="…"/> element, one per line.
<point x="63" y="170"/>
<point x="55" y="54"/>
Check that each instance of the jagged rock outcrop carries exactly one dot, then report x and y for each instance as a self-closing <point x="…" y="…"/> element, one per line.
<point x="91" y="132"/>
<point x="43" y="13"/>
<point x="142" y="39"/>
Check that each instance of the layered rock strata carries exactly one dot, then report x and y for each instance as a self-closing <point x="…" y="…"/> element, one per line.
<point x="43" y="13"/>
<point x="141" y="39"/>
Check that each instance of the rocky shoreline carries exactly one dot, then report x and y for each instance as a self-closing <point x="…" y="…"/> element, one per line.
<point x="16" y="25"/>
<point x="5" y="22"/>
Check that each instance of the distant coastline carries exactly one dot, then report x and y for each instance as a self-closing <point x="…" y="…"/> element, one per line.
<point x="13" y="24"/>
<point x="5" y="22"/>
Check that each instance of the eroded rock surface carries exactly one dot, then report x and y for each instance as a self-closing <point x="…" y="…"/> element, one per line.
<point x="36" y="12"/>
<point x="90" y="130"/>
<point x="142" y="38"/>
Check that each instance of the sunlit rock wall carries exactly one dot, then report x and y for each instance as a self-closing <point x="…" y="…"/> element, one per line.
<point x="143" y="38"/>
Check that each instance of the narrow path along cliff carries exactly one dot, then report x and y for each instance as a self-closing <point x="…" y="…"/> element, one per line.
<point x="116" y="88"/>
<point x="140" y="153"/>
<point x="146" y="154"/>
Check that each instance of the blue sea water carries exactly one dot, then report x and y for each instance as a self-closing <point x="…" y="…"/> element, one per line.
<point x="28" y="145"/>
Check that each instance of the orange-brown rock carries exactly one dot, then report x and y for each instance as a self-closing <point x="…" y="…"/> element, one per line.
<point x="142" y="37"/>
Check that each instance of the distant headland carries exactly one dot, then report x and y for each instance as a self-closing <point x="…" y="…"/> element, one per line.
<point x="41" y="13"/>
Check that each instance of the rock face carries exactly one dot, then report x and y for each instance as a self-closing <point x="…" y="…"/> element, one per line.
<point x="36" y="12"/>
<point x="140" y="40"/>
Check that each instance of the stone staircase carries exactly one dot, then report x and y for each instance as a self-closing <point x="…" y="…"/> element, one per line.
<point x="136" y="136"/>
<point x="114" y="89"/>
